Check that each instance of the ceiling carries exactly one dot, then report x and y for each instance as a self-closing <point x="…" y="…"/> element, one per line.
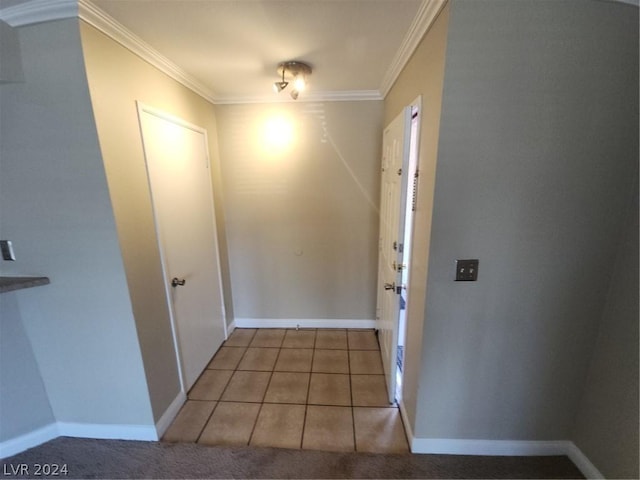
<point x="231" y="49"/>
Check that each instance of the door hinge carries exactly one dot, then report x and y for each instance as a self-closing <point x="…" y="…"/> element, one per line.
<point x="399" y="171"/>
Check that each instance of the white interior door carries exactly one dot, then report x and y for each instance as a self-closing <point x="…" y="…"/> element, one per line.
<point x="395" y="161"/>
<point x="177" y="159"/>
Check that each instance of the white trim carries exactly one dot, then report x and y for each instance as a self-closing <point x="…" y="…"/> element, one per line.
<point x="303" y="323"/>
<point x="37" y="437"/>
<point x="427" y="14"/>
<point x="230" y="328"/>
<point x="108" y="431"/>
<point x="528" y="448"/>
<point x="170" y="413"/>
<point x="38" y="11"/>
<point x="407" y="425"/>
<point x="32" y="439"/>
<point x="142" y="109"/>
<point x="581" y="461"/>
<point x="488" y="447"/>
<point x="337" y="96"/>
<point x="114" y="30"/>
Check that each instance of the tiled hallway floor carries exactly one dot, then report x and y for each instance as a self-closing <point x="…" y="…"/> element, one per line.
<point x="311" y="389"/>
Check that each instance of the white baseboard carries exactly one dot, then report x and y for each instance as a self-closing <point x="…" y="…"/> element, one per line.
<point x="170" y="413"/>
<point x="303" y="323"/>
<point x="488" y="447"/>
<point x="230" y="328"/>
<point x="108" y="431"/>
<point x="405" y="421"/>
<point x="80" y="430"/>
<point x="581" y="461"/>
<point x="28" y="440"/>
<point x="502" y="448"/>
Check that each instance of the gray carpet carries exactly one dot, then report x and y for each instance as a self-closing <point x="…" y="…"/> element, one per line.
<point x="88" y="458"/>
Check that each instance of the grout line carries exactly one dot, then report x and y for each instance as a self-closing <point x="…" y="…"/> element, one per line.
<point x="206" y="422"/>
<point x="353" y="416"/>
<point x="306" y="406"/>
<point x="264" y="394"/>
<point x="309" y="373"/>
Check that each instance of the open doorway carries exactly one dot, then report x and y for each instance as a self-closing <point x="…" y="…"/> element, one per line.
<point x="410" y="207"/>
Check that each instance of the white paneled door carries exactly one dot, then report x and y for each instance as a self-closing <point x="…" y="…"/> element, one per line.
<point x="395" y="162"/>
<point x="177" y="159"/>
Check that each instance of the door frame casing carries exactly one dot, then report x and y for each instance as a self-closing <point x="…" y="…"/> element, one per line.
<point x="141" y="109"/>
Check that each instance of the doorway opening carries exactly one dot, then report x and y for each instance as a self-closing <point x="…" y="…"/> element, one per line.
<point x="410" y="207"/>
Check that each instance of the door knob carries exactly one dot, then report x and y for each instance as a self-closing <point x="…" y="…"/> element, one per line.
<point x="390" y="286"/>
<point x="175" y="282"/>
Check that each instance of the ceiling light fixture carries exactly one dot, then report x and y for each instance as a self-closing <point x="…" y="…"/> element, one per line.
<point x="298" y="72"/>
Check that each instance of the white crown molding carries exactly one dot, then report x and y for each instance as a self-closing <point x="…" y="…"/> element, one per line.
<point x="110" y="27"/>
<point x="427" y="13"/>
<point x="38" y="11"/>
<point x="337" y="96"/>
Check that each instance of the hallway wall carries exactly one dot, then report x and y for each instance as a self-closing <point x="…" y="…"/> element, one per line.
<point x="537" y="158"/>
<point x="55" y="207"/>
<point x="114" y="92"/>
<point x="423" y="75"/>
<point x="302" y="184"/>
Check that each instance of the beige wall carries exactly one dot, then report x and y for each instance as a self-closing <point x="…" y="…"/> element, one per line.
<point x="302" y="212"/>
<point x="423" y="75"/>
<point x="117" y="79"/>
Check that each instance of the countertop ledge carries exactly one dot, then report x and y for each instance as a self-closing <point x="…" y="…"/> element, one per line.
<point x="8" y="284"/>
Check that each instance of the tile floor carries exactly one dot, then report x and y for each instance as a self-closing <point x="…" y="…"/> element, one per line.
<point x="311" y="389"/>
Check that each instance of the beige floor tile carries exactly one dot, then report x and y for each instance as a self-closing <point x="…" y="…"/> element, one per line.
<point x="362" y="340"/>
<point x="246" y="387"/>
<point x="328" y="428"/>
<point x="379" y="430"/>
<point x="365" y="361"/>
<point x="369" y="391"/>
<point x="329" y="389"/>
<point x="294" y="360"/>
<point x="268" y="337"/>
<point x="288" y="387"/>
<point x="230" y="424"/>
<point x="259" y="359"/>
<point x="279" y="426"/>
<point x="299" y="339"/>
<point x="331" y="339"/>
<point x="189" y="422"/>
<point x="227" y="358"/>
<point x="210" y="385"/>
<point x="240" y="337"/>
<point x="330" y="361"/>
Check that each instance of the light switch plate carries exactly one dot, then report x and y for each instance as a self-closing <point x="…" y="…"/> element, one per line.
<point x="467" y="270"/>
<point x="7" y="250"/>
